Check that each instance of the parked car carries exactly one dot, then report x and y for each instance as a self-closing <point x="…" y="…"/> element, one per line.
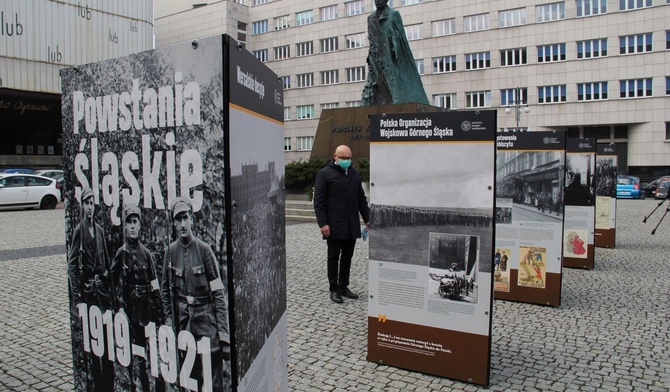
<point x="51" y="173"/>
<point x="628" y="187"/>
<point x="650" y="188"/>
<point x="18" y="170"/>
<point x="662" y="190"/>
<point x="28" y="191"/>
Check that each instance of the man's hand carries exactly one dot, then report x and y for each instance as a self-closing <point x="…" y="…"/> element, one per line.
<point x="325" y="231"/>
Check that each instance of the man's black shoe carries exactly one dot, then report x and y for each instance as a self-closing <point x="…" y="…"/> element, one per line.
<point x="336" y="297"/>
<point x="347" y="293"/>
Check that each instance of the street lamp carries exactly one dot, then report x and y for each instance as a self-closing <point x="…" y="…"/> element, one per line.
<point x="519" y="106"/>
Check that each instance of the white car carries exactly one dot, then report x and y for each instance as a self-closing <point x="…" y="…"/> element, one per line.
<point x="28" y="191"/>
<point x="51" y="173"/>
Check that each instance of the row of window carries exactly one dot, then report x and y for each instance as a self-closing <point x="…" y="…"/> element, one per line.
<point x="506" y="18"/>
<point x="628" y="44"/>
<point x="594" y="91"/>
<point x="332" y="76"/>
<point x="303" y="143"/>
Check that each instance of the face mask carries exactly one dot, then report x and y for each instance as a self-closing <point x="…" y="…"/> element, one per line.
<point x="344" y="163"/>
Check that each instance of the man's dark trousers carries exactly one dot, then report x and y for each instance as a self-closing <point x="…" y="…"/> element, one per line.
<point x="339" y="279"/>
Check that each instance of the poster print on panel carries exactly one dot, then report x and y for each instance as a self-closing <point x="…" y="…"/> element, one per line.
<point x="529" y="216"/>
<point x="431" y="258"/>
<point x="606" y="173"/>
<point x="258" y="229"/>
<point x="580" y="202"/>
<point x="143" y="143"/>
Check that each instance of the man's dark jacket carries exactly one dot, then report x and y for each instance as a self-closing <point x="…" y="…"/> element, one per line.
<point x="338" y="198"/>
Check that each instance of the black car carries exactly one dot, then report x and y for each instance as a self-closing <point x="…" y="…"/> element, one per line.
<point x="650" y="188"/>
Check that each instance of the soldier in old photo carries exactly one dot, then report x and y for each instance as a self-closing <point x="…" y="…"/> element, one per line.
<point x="134" y="275"/>
<point x="90" y="283"/>
<point x="193" y="296"/>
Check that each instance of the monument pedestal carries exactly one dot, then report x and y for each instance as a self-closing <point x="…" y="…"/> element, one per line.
<point x="351" y="126"/>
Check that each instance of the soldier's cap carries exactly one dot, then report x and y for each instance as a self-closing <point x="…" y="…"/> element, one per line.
<point x="86" y="193"/>
<point x="131" y="210"/>
<point x="180" y="205"/>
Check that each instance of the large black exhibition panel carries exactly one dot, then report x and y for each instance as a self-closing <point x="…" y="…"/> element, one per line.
<point x="174" y="210"/>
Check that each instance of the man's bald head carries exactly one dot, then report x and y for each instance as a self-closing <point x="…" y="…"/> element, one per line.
<point x="342" y="152"/>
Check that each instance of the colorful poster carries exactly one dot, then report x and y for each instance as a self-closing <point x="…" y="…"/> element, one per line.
<point x="606" y="174"/>
<point x="580" y="204"/>
<point x="529" y="216"/>
<point x="431" y="242"/>
<point x="150" y="224"/>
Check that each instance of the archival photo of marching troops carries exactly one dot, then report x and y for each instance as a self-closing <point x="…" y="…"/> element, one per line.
<point x="411" y="202"/>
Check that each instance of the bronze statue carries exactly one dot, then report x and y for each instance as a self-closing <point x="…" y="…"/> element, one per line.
<point x="392" y="73"/>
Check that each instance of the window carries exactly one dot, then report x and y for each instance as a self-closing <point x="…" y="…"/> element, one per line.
<point x="328" y="44"/>
<point x="282" y="52"/>
<point x="330" y="77"/>
<point x="508" y="96"/>
<point x="476" y="22"/>
<point x="305" y="80"/>
<point x="635" y="43"/>
<point x="444" y="27"/>
<point x="509" y="57"/>
<point x="241" y="32"/>
<point x="282" y="22"/>
<point x="592" y="48"/>
<point x="444" y="64"/>
<point x="447" y="101"/>
<point x="625" y="5"/>
<point x="303" y="18"/>
<point x="478" y="99"/>
<point x="550" y="53"/>
<point x="286" y="82"/>
<point x="331" y="105"/>
<point x="287" y="143"/>
<point x="419" y="66"/>
<point x="354" y="7"/>
<point x="591" y="7"/>
<point x="635" y="88"/>
<point x="515" y="17"/>
<point x="260" y="27"/>
<point x="259" y="2"/>
<point x="549" y="12"/>
<point x="305" y="143"/>
<point x="667" y="85"/>
<point x="304" y="48"/>
<point x="410" y="2"/>
<point x="328" y="13"/>
<point x="413" y="31"/>
<point x="262" y="54"/>
<point x="353" y="104"/>
<point x="287" y="116"/>
<point x="667" y="131"/>
<point x="551" y="94"/>
<point x="356" y="74"/>
<point x="591" y="91"/>
<point x="304" y="112"/>
<point x="354" y="40"/>
<point x="667" y="39"/>
<point x="478" y="60"/>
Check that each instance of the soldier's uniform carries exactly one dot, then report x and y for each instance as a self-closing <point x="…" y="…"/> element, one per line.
<point x="134" y="274"/>
<point x="193" y="287"/>
<point x="90" y="283"/>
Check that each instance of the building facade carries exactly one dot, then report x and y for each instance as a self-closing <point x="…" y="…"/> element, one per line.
<point x="38" y="38"/>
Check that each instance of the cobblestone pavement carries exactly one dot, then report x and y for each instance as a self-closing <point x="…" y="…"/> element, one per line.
<point x="611" y="332"/>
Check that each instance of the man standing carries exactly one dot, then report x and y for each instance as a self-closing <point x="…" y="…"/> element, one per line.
<point x="193" y="294"/>
<point x="90" y="283"/>
<point x="338" y="199"/>
<point x="134" y="276"/>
